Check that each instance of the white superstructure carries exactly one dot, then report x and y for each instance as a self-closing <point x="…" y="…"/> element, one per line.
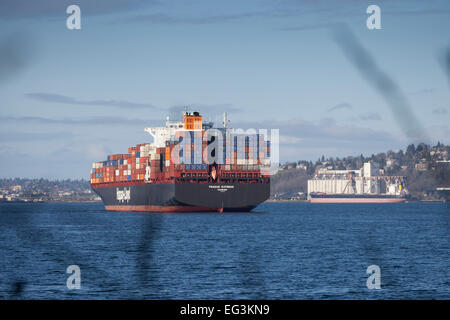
<point x="162" y="134"/>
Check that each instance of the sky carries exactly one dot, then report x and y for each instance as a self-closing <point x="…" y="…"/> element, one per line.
<point x="311" y="69"/>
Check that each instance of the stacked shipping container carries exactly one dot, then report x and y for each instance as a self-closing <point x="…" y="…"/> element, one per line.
<point x="122" y="167"/>
<point x="232" y="152"/>
<point x="236" y="148"/>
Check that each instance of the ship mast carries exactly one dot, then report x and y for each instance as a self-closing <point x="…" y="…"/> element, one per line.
<point x="225" y="120"/>
<point x="224" y="123"/>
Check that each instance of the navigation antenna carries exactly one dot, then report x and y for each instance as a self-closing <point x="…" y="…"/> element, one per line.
<point x="225" y="120"/>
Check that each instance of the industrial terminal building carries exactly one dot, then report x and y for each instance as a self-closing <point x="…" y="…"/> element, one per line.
<point x="363" y="185"/>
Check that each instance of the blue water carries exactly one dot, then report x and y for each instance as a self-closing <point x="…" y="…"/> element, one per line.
<point x="282" y="251"/>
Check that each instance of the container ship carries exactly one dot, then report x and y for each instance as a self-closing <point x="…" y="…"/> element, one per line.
<point x="367" y="185"/>
<point x="189" y="167"/>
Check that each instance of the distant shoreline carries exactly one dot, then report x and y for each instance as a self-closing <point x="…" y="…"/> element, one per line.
<point x="409" y="201"/>
<point x="268" y="201"/>
<point x="69" y="201"/>
<point x="285" y="200"/>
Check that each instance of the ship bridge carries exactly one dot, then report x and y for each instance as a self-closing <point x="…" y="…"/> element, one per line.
<point x="192" y="121"/>
<point x="162" y="134"/>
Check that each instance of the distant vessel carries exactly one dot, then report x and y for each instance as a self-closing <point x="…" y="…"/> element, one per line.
<point x="366" y="185"/>
<point x="187" y="168"/>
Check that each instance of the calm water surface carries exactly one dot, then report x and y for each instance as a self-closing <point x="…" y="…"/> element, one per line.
<point x="281" y="251"/>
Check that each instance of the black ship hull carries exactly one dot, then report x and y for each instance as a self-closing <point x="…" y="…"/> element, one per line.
<point x="355" y="198"/>
<point x="183" y="197"/>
